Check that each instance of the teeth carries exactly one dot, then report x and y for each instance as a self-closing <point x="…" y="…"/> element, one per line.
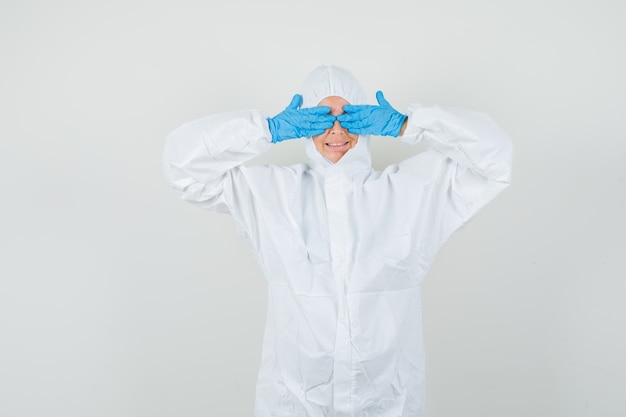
<point x="334" y="145"/>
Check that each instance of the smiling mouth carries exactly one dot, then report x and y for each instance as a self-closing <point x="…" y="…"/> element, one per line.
<point x="337" y="145"/>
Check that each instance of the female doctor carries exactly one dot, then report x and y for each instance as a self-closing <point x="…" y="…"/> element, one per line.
<point x="344" y="248"/>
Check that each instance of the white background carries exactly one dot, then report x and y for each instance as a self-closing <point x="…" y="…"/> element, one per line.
<point x="118" y="299"/>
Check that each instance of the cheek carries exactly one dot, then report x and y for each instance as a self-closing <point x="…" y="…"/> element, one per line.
<point x="318" y="141"/>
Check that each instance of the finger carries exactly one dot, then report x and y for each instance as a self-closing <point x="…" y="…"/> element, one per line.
<point x="296" y="101"/>
<point x="381" y="99"/>
<point x="327" y="119"/>
<point x="324" y="119"/>
<point x="358" y="131"/>
<point x="363" y="110"/>
<point x="322" y="124"/>
<point x="349" y="117"/>
<point x="351" y="108"/>
<point x="314" y="132"/>
<point x="355" y="124"/>
<point x="316" y="110"/>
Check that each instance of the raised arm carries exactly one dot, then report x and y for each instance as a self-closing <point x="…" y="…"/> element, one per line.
<point x="468" y="163"/>
<point x="201" y="157"/>
<point x="470" y="139"/>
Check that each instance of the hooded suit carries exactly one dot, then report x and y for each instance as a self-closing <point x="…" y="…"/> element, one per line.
<point x="344" y="248"/>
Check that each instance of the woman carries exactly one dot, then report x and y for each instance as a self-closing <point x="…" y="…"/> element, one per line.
<point x="344" y="248"/>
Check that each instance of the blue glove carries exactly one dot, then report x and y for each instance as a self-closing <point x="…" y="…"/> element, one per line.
<point x="381" y="120"/>
<point x="294" y="123"/>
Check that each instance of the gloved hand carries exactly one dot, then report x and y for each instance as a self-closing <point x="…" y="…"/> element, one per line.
<point x="381" y="120"/>
<point x="294" y="122"/>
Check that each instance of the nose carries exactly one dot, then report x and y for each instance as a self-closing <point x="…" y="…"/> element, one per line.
<point x="337" y="129"/>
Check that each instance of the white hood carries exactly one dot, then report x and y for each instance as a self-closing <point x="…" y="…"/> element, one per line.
<point x="330" y="80"/>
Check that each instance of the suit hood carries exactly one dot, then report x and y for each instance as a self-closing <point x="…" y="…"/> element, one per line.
<point x="331" y="80"/>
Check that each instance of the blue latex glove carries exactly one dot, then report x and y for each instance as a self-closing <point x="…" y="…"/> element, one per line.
<point x="381" y="120"/>
<point x="294" y="122"/>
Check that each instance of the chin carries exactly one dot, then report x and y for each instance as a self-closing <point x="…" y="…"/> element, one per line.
<point x="335" y="158"/>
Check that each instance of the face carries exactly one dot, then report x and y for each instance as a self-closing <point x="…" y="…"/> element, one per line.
<point x="336" y="141"/>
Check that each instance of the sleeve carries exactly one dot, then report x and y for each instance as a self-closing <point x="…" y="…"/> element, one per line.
<point x="468" y="163"/>
<point x="203" y="159"/>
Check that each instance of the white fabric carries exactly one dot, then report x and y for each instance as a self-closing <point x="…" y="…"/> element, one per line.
<point x="344" y="248"/>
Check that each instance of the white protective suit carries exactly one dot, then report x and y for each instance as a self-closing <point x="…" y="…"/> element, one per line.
<point x="344" y="248"/>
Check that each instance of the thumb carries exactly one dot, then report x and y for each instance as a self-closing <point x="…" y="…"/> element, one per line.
<point x="296" y="101"/>
<point x="382" y="102"/>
